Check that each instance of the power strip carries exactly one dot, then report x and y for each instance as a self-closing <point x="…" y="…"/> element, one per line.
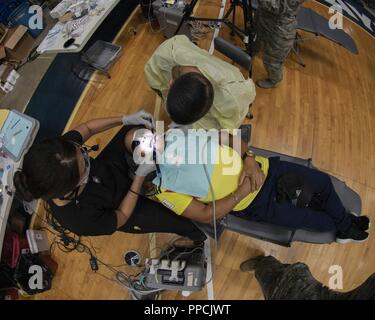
<point x="183" y="270"/>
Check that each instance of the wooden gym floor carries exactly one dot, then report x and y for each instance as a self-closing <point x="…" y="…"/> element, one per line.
<point x="325" y="111"/>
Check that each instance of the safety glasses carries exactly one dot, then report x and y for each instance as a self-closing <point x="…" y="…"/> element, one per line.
<point x="85" y="177"/>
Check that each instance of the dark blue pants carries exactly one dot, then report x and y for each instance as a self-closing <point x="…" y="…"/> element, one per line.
<point x="333" y="217"/>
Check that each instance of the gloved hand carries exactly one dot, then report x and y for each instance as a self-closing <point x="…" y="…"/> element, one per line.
<point x="144" y="169"/>
<point x="139" y="118"/>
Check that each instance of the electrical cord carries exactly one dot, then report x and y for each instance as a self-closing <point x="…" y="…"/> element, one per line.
<point x="187" y="252"/>
<point x="213" y="212"/>
<point x="68" y="242"/>
<point x="214" y="223"/>
<point x="128" y="281"/>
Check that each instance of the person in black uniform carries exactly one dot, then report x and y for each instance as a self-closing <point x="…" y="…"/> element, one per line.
<point x="93" y="197"/>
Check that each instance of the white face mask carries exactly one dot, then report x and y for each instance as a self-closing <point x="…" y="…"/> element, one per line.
<point x="143" y="144"/>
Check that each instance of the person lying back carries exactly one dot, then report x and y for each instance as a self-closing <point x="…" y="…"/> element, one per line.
<point x="230" y="178"/>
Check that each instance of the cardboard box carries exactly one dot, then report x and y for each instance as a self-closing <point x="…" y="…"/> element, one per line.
<point x="3" y="32"/>
<point x="14" y="36"/>
<point x="21" y="50"/>
<point x="2" y="52"/>
<point x="5" y="70"/>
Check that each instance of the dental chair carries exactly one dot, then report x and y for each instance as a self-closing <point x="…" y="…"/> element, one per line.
<point x="274" y="233"/>
<point x="261" y="230"/>
<point x="277" y="234"/>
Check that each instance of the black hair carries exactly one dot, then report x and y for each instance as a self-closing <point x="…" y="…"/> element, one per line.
<point x="50" y="170"/>
<point x="189" y="98"/>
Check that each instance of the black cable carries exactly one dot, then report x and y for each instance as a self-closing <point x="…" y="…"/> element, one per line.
<point x="67" y="242"/>
<point x="50" y="219"/>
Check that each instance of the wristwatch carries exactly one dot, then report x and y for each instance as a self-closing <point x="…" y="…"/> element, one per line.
<point x="248" y="153"/>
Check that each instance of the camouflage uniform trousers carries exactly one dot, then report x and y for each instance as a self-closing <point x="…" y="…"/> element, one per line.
<point x="276" y="45"/>
<point x="276" y="24"/>
<point x="294" y="281"/>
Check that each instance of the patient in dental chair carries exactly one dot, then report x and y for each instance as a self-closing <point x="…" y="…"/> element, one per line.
<point x="216" y="183"/>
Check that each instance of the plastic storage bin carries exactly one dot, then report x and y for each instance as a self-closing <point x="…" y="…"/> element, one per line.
<point x="102" y="55"/>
